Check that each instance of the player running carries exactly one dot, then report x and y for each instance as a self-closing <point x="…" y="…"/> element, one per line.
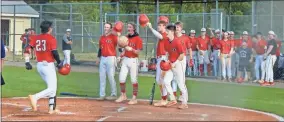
<point x="45" y="46"/>
<point x="107" y="62"/>
<point x="161" y="55"/>
<point x="130" y="64"/>
<point x="176" y="57"/>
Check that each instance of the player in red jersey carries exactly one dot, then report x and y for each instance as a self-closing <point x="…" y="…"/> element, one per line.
<point x="203" y="46"/>
<point x="194" y="53"/>
<point x="24" y="41"/>
<point x="176" y="57"/>
<point x="235" y="56"/>
<point x="161" y="55"/>
<point x="46" y="52"/>
<point x="215" y="55"/>
<point x="130" y="63"/>
<point x="107" y="61"/>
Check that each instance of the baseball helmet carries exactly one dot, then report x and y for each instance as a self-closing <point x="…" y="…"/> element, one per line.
<point x="118" y="26"/>
<point x="143" y="20"/>
<point x="122" y="41"/>
<point x="65" y="70"/>
<point x="164" y="18"/>
<point x="165" y="65"/>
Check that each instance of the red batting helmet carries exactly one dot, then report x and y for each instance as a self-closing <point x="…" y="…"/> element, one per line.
<point x="164" y="18"/>
<point x="118" y="26"/>
<point x="65" y="70"/>
<point x="143" y="20"/>
<point x="165" y="65"/>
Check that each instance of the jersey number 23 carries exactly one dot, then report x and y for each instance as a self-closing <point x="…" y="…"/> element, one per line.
<point x="40" y="45"/>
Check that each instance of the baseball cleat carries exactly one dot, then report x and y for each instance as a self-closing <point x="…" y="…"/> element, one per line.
<point x="265" y="83"/>
<point x="261" y="81"/>
<point x="180" y="98"/>
<point x="161" y="103"/>
<point x="101" y="98"/>
<point x="272" y="83"/>
<point x="171" y="103"/>
<point x="121" y="98"/>
<point x="183" y="106"/>
<point x="111" y="98"/>
<point x="56" y="111"/>
<point x="133" y="101"/>
<point x="33" y="102"/>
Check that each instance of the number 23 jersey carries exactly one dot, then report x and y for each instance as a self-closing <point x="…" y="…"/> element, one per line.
<point x="43" y="44"/>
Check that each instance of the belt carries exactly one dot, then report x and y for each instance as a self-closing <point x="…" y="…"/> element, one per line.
<point x="130" y="57"/>
<point x="161" y="56"/>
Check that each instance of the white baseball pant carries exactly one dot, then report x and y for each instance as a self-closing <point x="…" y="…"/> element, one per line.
<point x="270" y="61"/>
<point x="107" y="67"/>
<point x="129" y="64"/>
<point x="179" y="72"/>
<point x="174" y="83"/>
<point x="195" y="62"/>
<point x="159" y="79"/>
<point x="67" y="54"/>
<point x="216" y="63"/>
<point x="48" y="74"/>
<point x="204" y="60"/>
<point x="234" y="64"/>
<point x="257" y="66"/>
<point x="263" y="69"/>
<point x="226" y="65"/>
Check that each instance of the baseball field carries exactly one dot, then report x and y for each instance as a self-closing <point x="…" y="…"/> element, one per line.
<point x="21" y="83"/>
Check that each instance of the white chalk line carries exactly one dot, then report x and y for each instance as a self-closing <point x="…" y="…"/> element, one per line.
<point x="103" y="118"/>
<point x="279" y="118"/>
<point x="120" y="109"/>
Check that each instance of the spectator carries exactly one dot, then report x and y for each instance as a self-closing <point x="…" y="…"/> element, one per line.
<point x="66" y="46"/>
<point x="277" y="71"/>
<point x="245" y="57"/>
<point x="235" y="56"/>
<point x="3" y="54"/>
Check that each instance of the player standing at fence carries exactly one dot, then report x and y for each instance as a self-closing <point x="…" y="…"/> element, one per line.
<point x="203" y="55"/>
<point x="66" y="46"/>
<point x="24" y="41"/>
<point x="107" y="61"/>
<point x="245" y="60"/>
<point x="226" y="53"/>
<point x="193" y="42"/>
<point x="130" y="63"/>
<point x="235" y="56"/>
<point x="259" y="49"/>
<point x="176" y="57"/>
<point x="215" y="43"/>
<point x="270" y="57"/>
<point x="161" y="55"/>
<point x="45" y="46"/>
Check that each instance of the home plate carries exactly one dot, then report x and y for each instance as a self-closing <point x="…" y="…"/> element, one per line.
<point x="66" y="113"/>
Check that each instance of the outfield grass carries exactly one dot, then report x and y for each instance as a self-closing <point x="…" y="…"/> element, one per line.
<point x="20" y="83"/>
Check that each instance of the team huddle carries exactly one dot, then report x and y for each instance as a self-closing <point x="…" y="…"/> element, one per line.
<point x="176" y="54"/>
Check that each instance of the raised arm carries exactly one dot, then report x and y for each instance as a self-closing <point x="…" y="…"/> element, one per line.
<point x="156" y="33"/>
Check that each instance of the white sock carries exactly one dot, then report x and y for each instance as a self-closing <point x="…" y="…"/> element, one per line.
<point x="27" y="59"/>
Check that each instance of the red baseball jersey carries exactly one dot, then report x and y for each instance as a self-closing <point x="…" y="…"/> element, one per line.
<point x="278" y="49"/>
<point x="174" y="49"/>
<point x="215" y="42"/>
<point x="184" y="39"/>
<point x="161" y="45"/>
<point x="259" y="47"/>
<point x="249" y="42"/>
<point x="43" y="44"/>
<point x="108" y="45"/>
<point x="203" y="43"/>
<point x="193" y="43"/>
<point x="226" y="46"/>
<point x="23" y="38"/>
<point x="136" y="43"/>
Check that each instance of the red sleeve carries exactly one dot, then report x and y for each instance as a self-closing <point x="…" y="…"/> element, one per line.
<point x="179" y="47"/>
<point x="53" y="44"/>
<point x="114" y="38"/>
<point x="100" y="44"/>
<point x="233" y="43"/>
<point x="22" y="37"/>
<point x="166" y="45"/>
<point x="188" y="42"/>
<point x="139" y="44"/>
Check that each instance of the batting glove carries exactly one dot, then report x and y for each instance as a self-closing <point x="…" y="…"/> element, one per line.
<point x="28" y="66"/>
<point x="60" y="65"/>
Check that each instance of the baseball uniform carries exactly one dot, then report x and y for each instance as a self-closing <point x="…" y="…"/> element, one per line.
<point x="215" y="43"/>
<point x="203" y="55"/>
<point x="66" y="48"/>
<point x="270" y="60"/>
<point x="175" y="48"/>
<point x="193" y="42"/>
<point x="277" y="71"/>
<point x="259" y="48"/>
<point x="226" y="47"/>
<point x="130" y="64"/>
<point x="43" y="45"/>
<point x="108" y="63"/>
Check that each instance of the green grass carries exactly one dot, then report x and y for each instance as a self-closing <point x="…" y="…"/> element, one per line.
<point x="20" y="83"/>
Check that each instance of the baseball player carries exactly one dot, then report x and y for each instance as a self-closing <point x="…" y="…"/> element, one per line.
<point x="245" y="58"/>
<point x="270" y="58"/>
<point x="66" y="46"/>
<point x="203" y="46"/>
<point x="193" y="42"/>
<point x="215" y="43"/>
<point x="24" y="41"/>
<point x="45" y="46"/>
<point x="186" y="49"/>
<point x="259" y="49"/>
<point x="130" y="63"/>
<point x="226" y="53"/>
<point x="276" y="69"/>
<point x="235" y="56"/>
<point x="176" y="57"/>
<point x="161" y="55"/>
<point x="107" y="61"/>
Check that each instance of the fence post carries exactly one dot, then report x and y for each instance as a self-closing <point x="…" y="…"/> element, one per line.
<point x="101" y="18"/>
<point x="117" y="10"/>
<point x="221" y="21"/>
<point x="70" y="17"/>
<point x="55" y="28"/>
<point x="82" y="34"/>
<point x="40" y="13"/>
<point x="14" y="36"/>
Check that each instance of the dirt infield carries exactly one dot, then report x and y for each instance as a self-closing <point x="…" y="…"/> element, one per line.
<point x="84" y="109"/>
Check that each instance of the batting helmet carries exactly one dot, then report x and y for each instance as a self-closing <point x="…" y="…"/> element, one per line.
<point x="118" y="26"/>
<point x="65" y="70"/>
<point x="165" y="65"/>
<point x="164" y="18"/>
<point x="143" y="20"/>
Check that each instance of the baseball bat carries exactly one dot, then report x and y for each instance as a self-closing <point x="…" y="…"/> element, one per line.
<point x="152" y="93"/>
<point x="72" y="94"/>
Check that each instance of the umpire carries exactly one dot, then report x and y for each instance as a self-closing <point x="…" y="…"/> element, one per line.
<point x="66" y="46"/>
<point x="3" y="54"/>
